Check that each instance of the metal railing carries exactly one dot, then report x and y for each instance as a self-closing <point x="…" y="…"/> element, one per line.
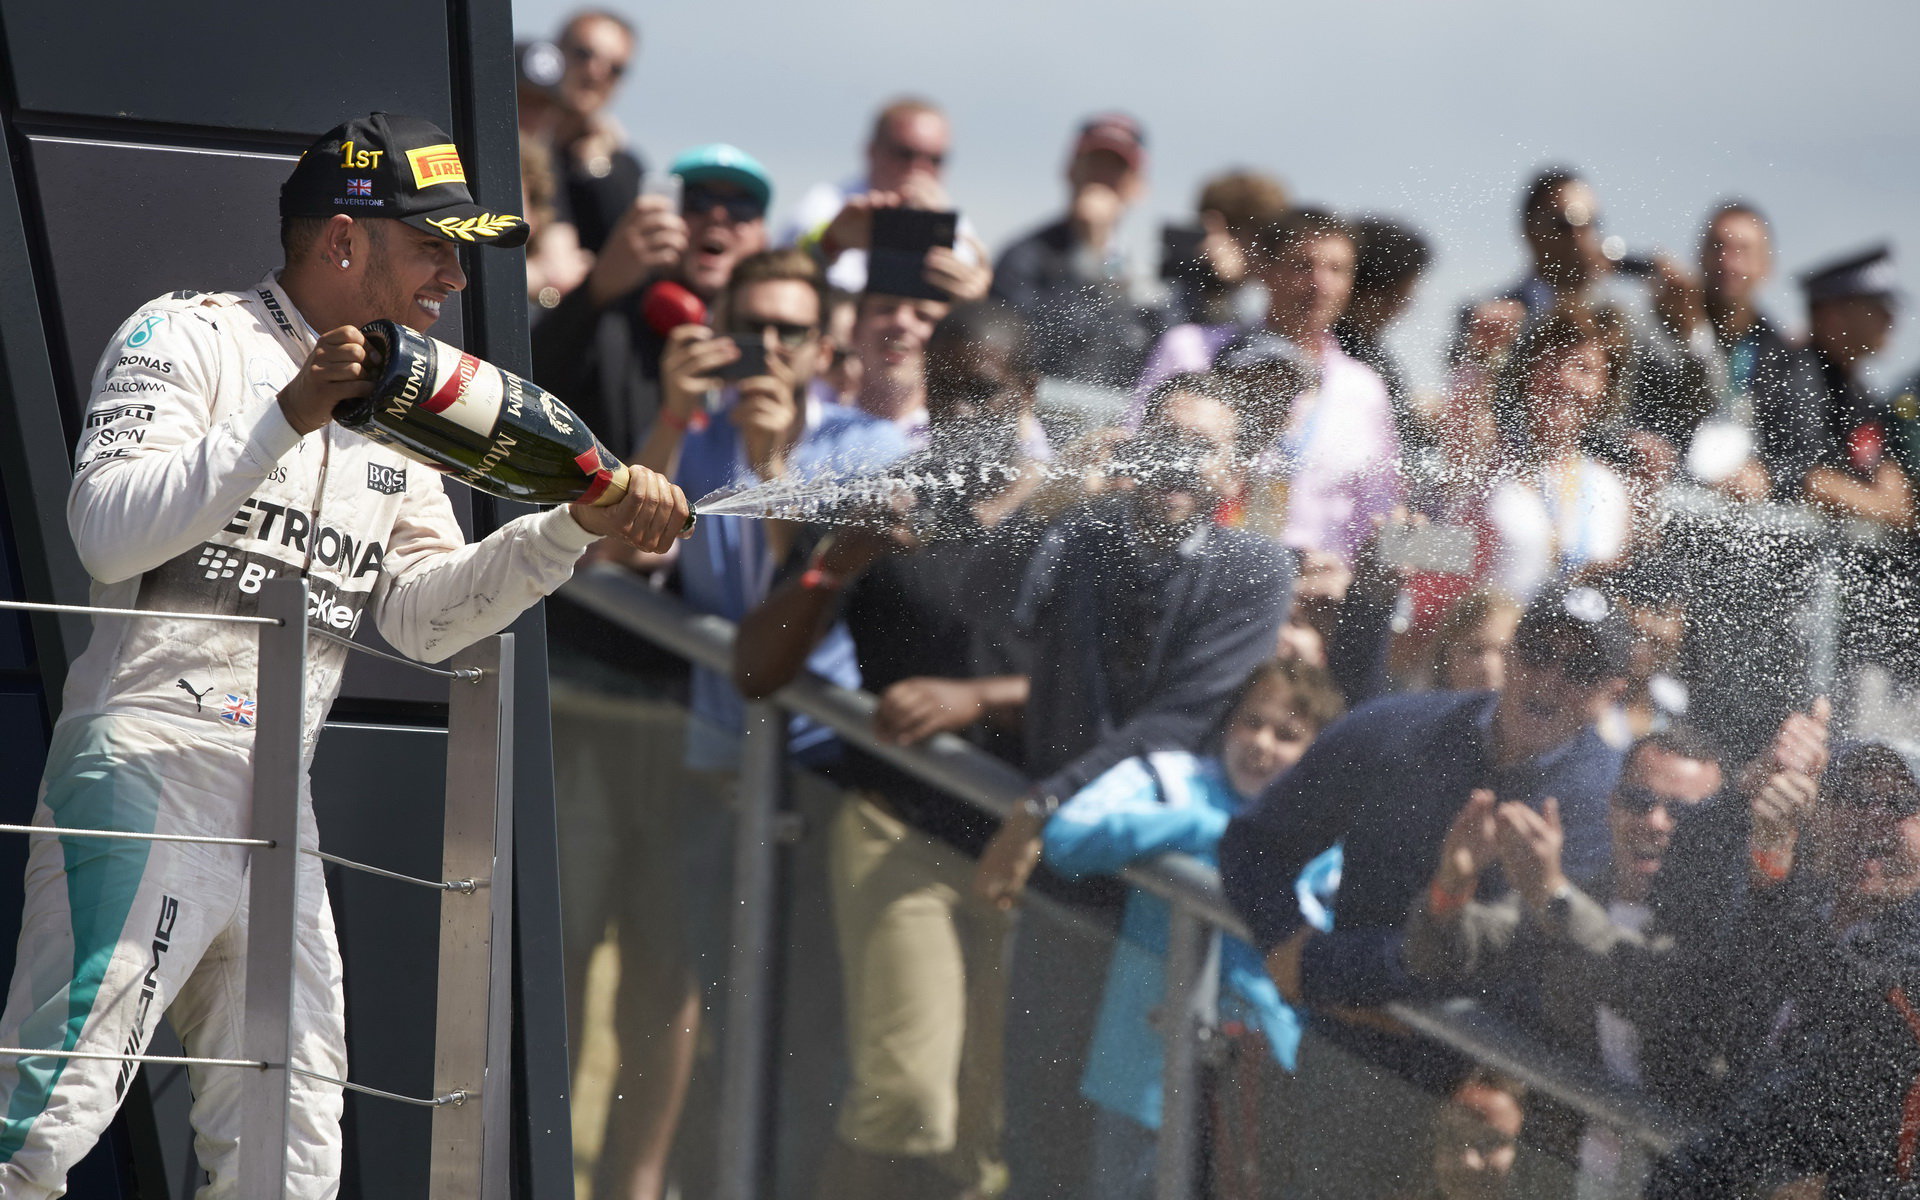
<point x="472" y="1092"/>
<point x="1201" y="915"/>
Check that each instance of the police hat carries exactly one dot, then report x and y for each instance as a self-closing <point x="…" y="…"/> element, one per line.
<point x="403" y="168"/>
<point x="1866" y="273"/>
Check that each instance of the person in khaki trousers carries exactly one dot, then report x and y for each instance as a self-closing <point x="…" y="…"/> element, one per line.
<point x="922" y="954"/>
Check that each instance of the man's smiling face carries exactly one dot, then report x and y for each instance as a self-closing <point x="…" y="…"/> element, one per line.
<point x="409" y="274"/>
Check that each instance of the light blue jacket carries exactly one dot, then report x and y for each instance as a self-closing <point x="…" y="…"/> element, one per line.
<point x="1142" y="808"/>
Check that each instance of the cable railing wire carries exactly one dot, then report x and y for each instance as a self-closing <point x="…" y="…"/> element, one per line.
<point x="456" y="1097"/>
<point x="124" y="835"/>
<point x="96" y="610"/>
<point x="465" y="674"/>
<point x="465" y="887"/>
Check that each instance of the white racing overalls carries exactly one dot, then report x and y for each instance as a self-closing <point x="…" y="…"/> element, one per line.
<point x="190" y="490"/>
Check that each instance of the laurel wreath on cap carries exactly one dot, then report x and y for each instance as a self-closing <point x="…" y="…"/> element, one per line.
<point x="469" y="228"/>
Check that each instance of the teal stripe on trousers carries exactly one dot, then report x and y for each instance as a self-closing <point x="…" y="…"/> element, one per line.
<point x="89" y="787"/>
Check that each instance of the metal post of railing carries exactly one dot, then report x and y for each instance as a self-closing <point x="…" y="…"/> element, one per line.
<point x="496" y="1097"/>
<point x="1188" y="1013"/>
<point x="273" y="890"/>
<point x="472" y="1031"/>
<point x="743" y="1063"/>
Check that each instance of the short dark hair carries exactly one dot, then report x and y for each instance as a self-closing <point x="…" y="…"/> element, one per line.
<point x="1297" y="226"/>
<point x="1386" y="254"/>
<point x="1542" y="186"/>
<point x="1563" y="328"/>
<point x="1870" y="773"/>
<point x="994" y="323"/>
<point x="1191" y="383"/>
<point x="298" y="235"/>
<point x="1681" y="741"/>
<point x="790" y="264"/>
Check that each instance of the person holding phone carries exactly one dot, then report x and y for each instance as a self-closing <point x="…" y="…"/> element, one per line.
<point x="906" y="155"/>
<point x="777" y="423"/>
<point x="1329" y="456"/>
<point x="929" y="602"/>
<point x="1205" y="263"/>
<point x="599" y="349"/>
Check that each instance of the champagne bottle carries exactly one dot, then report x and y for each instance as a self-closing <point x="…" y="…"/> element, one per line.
<point x="488" y="428"/>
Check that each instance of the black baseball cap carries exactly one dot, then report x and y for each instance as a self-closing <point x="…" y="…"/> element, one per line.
<point x="400" y="167"/>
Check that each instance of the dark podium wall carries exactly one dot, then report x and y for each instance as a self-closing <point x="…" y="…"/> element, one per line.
<point x="145" y="145"/>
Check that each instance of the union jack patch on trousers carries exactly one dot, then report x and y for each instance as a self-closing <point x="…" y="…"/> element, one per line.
<point x="236" y="710"/>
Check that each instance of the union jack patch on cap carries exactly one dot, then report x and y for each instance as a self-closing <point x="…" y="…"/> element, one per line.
<point x="359" y="187"/>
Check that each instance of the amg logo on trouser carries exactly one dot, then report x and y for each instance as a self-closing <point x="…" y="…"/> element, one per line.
<point x="162" y="937"/>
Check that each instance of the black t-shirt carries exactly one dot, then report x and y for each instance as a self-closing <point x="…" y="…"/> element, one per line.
<point x="1858" y="425"/>
<point x="944" y="611"/>
<point x="594" y="203"/>
<point x="604" y="364"/>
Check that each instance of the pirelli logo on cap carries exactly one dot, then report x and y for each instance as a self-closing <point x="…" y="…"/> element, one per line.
<point x="436" y="164"/>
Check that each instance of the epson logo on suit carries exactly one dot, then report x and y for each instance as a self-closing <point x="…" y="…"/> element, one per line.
<point x="388" y="481"/>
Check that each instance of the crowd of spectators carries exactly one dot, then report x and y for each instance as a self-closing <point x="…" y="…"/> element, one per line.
<point x="1562" y="687"/>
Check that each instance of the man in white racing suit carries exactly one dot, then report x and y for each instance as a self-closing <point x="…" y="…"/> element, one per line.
<point x="208" y="464"/>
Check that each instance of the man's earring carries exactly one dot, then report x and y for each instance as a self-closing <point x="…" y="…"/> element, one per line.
<point x="345" y="263"/>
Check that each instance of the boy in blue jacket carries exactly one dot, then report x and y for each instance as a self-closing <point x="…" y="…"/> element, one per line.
<point x="1177" y="801"/>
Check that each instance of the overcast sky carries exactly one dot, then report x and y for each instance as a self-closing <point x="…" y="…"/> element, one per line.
<point x="1436" y="111"/>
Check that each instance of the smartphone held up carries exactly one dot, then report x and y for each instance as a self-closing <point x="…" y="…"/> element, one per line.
<point x="896" y="260"/>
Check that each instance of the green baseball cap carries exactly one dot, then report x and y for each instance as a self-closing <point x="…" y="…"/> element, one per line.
<point x="721" y="163"/>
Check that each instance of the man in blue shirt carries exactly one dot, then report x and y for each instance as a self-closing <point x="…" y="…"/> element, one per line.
<point x="1386" y="782"/>
<point x="775" y="425"/>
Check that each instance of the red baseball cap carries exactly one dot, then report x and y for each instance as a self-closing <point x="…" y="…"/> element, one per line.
<point x="1115" y="132"/>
